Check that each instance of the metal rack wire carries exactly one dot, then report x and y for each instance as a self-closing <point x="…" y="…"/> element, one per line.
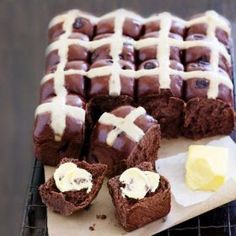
<point x="218" y="222"/>
<point x="35" y="215"/>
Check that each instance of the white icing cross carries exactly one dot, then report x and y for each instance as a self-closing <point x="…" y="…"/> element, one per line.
<point x="125" y="125"/>
<point x="163" y="44"/>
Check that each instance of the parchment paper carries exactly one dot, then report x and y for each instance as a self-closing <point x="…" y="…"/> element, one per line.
<point x="80" y="223"/>
<point x="173" y="168"/>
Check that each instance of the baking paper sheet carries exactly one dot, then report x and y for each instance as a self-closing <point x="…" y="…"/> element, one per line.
<point x="81" y="223"/>
<point x="173" y="168"/>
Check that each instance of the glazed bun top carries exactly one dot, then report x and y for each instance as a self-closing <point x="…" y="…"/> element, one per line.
<point x="123" y="127"/>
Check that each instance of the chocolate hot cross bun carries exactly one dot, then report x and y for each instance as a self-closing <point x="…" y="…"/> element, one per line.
<point x="178" y="70"/>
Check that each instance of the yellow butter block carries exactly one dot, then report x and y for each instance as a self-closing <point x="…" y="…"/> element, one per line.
<point x="206" y="167"/>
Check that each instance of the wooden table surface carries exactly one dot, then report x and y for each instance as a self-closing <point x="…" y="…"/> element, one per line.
<point x="23" y="28"/>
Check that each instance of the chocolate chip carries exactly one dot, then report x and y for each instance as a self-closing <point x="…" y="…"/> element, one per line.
<point x="94" y="56"/>
<point x="92" y="228"/>
<point x="63" y="148"/>
<point x="198" y="36"/>
<point x="78" y="23"/>
<point x="128" y="186"/>
<point x="121" y="57"/>
<point x="110" y="61"/>
<point x="201" y="84"/>
<point x="79" y="181"/>
<point x="127" y="44"/>
<point x="61" y="177"/>
<point x="193" y="65"/>
<point x="101" y="217"/>
<point x="149" y="65"/>
<point x="202" y="59"/>
<point x="203" y="62"/>
<point x="87" y="208"/>
<point x="125" y="67"/>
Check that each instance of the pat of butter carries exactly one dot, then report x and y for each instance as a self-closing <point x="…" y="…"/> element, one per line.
<point x="69" y="177"/>
<point x="138" y="183"/>
<point x="206" y="167"/>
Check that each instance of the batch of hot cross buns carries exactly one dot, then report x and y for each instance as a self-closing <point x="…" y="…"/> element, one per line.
<point x="113" y="86"/>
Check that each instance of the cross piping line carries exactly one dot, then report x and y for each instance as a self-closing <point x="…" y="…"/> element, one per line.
<point x="57" y="107"/>
<point x="116" y="42"/>
<point x="125" y="125"/>
<point x="163" y="44"/>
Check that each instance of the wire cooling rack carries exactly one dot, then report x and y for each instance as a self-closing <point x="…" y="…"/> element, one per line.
<point x="218" y="222"/>
<point x="35" y="215"/>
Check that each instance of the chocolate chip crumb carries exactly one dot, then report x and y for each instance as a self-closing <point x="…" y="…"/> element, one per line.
<point x="88" y="207"/>
<point x="80" y="181"/>
<point x="101" y="217"/>
<point x="92" y="227"/>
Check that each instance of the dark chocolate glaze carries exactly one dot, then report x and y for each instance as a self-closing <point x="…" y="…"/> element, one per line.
<point x="150" y="52"/>
<point x="119" y="152"/>
<point x="149" y="85"/>
<point x="199" y="53"/>
<point x="100" y="85"/>
<point x="74" y="83"/>
<point x="81" y="25"/>
<point x="131" y="28"/>
<point x="47" y="149"/>
<point x="198" y="87"/>
<point x="103" y="52"/>
<point x="220" y="34"/>
<point x="177" y="27"/>
<point x="76" y="52"/>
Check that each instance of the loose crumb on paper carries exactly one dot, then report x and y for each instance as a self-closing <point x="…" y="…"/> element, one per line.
<point x="101" y="217"/>
<point x="92" y="227"/>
